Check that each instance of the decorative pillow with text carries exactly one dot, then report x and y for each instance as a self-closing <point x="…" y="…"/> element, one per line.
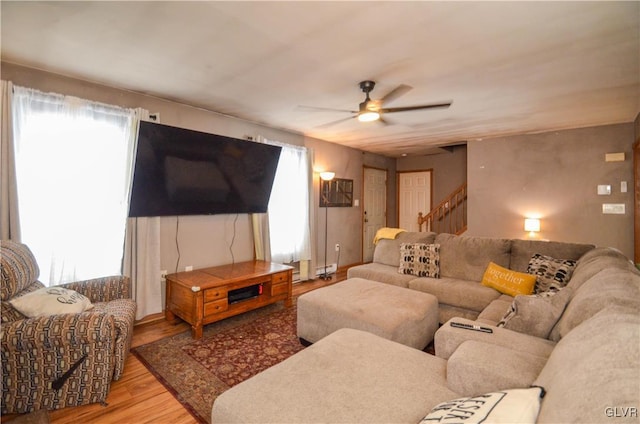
<point x="506" y="406"/>
<point x="551" y="274"/>
<point x="507" y="281"/>
<point x="420" y="259"/>
<point x="51" y="301"/>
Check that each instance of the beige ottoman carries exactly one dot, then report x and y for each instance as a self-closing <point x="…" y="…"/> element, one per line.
<point x="403" y="315"/>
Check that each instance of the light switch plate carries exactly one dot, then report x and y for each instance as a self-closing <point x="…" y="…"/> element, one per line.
<point x="613" y="208"/>
<point x="604" y="190"/>
<point x="623" y="186"/>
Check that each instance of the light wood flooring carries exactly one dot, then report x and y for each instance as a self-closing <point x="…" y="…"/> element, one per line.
<point x="138" y="397"/>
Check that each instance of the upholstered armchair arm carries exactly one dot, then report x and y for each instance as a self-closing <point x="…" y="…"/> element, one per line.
<point x="103" y="289"/>
<point x="56" y="330"/>
<point x="57" y="361"/>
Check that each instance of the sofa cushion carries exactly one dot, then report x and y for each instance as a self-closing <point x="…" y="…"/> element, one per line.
<point x="506" y="406"/>
<point x="596" y="260"/>
<point x="478" y="367"/>
<point x="467" y="258"/>
<point x="594" y="369"/>
<point x="420" y="259"/>
<point x="51" y="301"/>
<point x="387" y="251"/>
<point x="551" y="273"/>
<point x="611" y="286"/>
<point x="536" y="314"/>
<point x="382" y="273"/>
<point x="507" y="281"/>
<point x="523" y="250"/>
<point x="350" y="376"/>
<point x="18" y="267"/>
<point x="451" y="291"/>
<point x="448" y="339"/>
<point x="496" y="310"/>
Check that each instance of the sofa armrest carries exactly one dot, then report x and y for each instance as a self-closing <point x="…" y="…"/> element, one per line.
<point x="103" y="289"/>
<point x="478" y="367"/>
<point x="448" y="338"/>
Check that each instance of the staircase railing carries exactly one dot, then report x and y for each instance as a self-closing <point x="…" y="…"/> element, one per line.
<point x="450" y="216"/>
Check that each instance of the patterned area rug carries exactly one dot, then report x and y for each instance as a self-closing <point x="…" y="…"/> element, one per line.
<point x="230" y="351"/>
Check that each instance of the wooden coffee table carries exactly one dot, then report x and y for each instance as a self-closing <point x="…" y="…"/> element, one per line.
<point x="208" y="295"/>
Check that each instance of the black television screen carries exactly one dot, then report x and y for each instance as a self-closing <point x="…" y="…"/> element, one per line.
<point x="185" y="172"/>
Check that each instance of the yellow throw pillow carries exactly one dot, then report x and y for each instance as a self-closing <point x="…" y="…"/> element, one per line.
<point x="507" y="281"/>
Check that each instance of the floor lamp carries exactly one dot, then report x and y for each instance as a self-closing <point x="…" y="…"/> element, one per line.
<point x="326" y="177"/>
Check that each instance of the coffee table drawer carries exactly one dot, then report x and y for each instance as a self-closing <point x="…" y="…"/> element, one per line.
<point x="216" y="293"/>
<point x="212" y="308"/>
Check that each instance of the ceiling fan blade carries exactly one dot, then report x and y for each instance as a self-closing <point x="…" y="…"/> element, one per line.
<point x="384" y="121"/>
<point x="419" y="107"/>
<point x="323" y="109"/>
<point x="329" y="124"/>
<point x="400" y="90"/>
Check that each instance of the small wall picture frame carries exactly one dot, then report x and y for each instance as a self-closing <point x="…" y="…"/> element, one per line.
<point x="336" y="193"/>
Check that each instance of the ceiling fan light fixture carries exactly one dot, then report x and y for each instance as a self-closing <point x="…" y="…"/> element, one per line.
<point x="368" y="116"/>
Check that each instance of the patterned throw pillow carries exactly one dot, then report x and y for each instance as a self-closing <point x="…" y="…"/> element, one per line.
<point x="506" y="406"/>
<point x="536" y="314"/>
<point x="551" y="274"/>
<point x="420" y="259"/>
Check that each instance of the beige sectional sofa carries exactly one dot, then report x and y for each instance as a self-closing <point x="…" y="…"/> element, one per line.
<point x="589" y="365"/>
<point x="463" y="261"/>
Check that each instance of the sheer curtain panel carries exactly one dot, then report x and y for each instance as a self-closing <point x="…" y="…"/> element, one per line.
<point x="9" y="222"/>
<point x="72" y="164"/>
<point x="287" y="234"/>
<point x="142" y="252"/>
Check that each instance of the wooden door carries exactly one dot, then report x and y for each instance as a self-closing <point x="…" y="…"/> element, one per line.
<point x="414" y="195"/>
<point x="374" y="211"/>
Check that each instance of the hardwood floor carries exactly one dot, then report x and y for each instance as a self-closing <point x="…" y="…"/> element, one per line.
<point x="138" y="397"/>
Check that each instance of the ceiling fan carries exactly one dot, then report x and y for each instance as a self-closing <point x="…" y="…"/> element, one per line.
<point x="372" y="110"/>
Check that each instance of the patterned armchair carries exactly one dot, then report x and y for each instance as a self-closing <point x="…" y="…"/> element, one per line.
<point x="55" y="361"/>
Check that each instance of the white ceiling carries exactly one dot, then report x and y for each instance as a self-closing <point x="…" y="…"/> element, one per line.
<point x="508" y="67"/>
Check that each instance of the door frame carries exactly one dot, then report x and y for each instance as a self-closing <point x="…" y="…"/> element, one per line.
<point x="636" y="195"/>
<point x="386" y="194"/>
<point x="430" y="170"/>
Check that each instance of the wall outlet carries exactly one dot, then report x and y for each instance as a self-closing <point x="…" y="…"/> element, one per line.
<point x="188" y="268"/>
<point x="337" y="247"/>
<point x="163" y="275"/>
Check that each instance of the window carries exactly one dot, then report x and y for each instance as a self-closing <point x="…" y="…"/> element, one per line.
<point x="73" y="167"/>
<point x="289" y="207"/>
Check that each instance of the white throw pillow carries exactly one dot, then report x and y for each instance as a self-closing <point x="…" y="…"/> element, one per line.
<point x="51" y="301"/>
<point x="506" y="406"/>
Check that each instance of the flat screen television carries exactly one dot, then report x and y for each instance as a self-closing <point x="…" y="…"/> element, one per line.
<point x="185" y="172"/>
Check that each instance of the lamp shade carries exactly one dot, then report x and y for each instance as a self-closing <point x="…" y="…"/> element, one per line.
<point x="327" y="175"/>
<point x="532" y="225"/>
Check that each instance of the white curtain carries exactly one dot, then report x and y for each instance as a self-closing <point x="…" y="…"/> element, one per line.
<point x="9" y="222"/>
<point x="142" y="251"/>
<point x="72" y="158"/>
<point x="287" y="237"/>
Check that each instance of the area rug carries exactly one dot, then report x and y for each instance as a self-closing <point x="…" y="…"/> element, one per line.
<point x="230" y="351"/>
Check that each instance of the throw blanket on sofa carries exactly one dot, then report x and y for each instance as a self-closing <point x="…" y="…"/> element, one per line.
<point x="386" y="232"/>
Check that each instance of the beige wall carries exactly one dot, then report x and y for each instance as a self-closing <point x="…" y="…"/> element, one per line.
<point x="555" y="175"/>
<point x="344" y="223"/>
<point x="207" y="240"/>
